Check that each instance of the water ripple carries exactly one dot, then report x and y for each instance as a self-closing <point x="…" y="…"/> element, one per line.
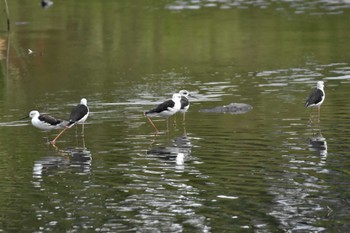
<point x="316" y="7"/>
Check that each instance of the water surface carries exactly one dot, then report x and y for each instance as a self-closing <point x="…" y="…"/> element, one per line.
<point x="269" y="170"/>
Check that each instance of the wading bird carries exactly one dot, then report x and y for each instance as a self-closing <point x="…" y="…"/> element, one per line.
<point x="78" y="115"/>
<point x="185" y="103"/>
<point x="316" y="97"/>
<point x="46" y="122"/>
<point x="165" y="109"/>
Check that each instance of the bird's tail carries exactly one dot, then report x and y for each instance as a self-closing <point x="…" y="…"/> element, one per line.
<point x="307" y="104"/>
<point x="63" y="124"/>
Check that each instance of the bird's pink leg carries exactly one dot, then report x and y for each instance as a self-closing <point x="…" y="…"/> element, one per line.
<point x="82" y="129"/>
<point x="151" y="122"/>
<point x="310" y="117"/>
<point x="54" y="141"/>
<point x="319" y="107"/>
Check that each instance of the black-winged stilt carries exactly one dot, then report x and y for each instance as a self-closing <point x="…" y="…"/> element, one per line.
<point x="46" y="122"/>
<point x="316" y="97"/>
<point x="165" y="109"/>
<point x="78" y="115"/>
<point x="185" y="103"/>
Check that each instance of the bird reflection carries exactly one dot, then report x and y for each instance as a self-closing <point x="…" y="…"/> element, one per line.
<point x="160" y="188"/>
<point x="178" y="151"/>
<point x="77" y="158"/>
<point x="318" y="144"/>
<point x="302" y="185"/>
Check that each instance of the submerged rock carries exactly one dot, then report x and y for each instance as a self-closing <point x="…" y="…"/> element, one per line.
<point x="233" y="108"/>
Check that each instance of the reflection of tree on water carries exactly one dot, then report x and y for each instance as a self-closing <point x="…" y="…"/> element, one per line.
<point x="299" y="192"/>
<point x="77" y="158"/>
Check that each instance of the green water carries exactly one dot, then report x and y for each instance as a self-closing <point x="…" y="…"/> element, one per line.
<point x="268" y="170"/>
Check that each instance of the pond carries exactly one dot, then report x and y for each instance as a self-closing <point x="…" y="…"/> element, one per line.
<point x="275" y="168"/>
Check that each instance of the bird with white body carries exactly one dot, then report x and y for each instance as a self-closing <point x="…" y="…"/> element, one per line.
<point x="45" y="122"/>
<point x="165" y="109"/>
<point x="78" y="115"/>
<point x="185" y="103"/>
<point x="316" y="97"/>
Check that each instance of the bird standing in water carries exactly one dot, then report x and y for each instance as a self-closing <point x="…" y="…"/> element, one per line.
<point x="78" y="115"/>
<point x="165" y="109"/>
<point x="46" y="122"/>
<point x="316" y="97"/>
<point x="185" y="104"/>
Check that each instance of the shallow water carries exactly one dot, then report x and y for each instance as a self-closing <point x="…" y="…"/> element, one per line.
<point x="269" y="170"/>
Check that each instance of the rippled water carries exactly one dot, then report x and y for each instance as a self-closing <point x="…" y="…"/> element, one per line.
<point x="273" y="169"/>
<point x="264" y="170"/>
<point x="315" y="7"/>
